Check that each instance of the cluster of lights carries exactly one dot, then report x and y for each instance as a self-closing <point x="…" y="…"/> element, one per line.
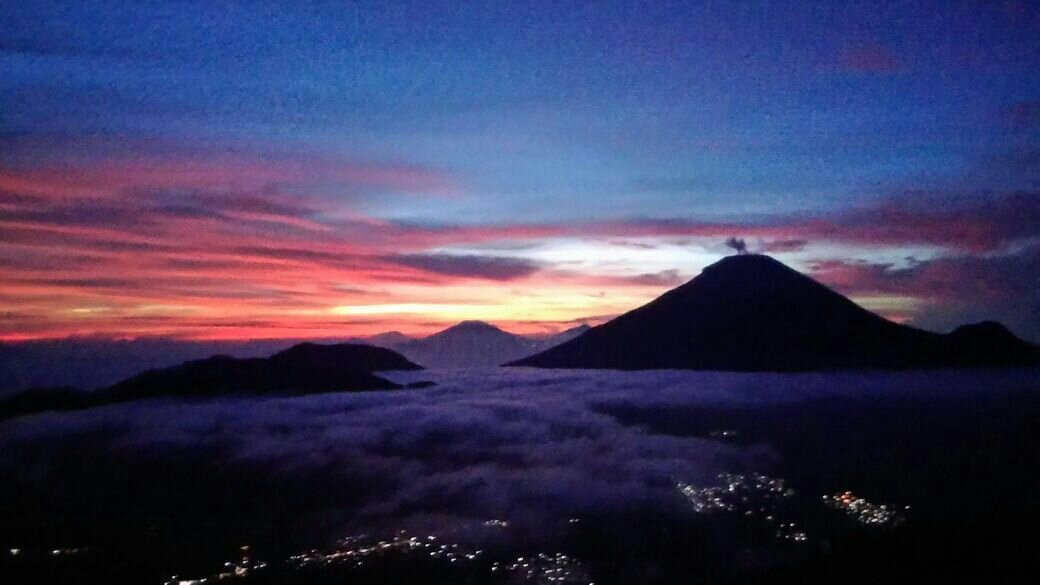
<point x="863" y="511"/>
<point x="754" y="495"/>
<point x="723" y="434"/>
<point x="789" y="531"/>
<point x="546" y="569"/>
<point x="356" y="550"/>
<point x="54" y="552"/>
<point x="62" y="552"/>
<point x="541" y="569"/>
<point x="232" y="570"/>
<point x="453" y="553"/>
<point x="737" y="492"/>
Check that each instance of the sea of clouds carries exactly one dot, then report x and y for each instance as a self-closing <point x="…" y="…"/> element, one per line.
<point x="530" y="446"/>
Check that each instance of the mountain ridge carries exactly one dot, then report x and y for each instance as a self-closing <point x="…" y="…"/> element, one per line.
<point x="305" y="368"/>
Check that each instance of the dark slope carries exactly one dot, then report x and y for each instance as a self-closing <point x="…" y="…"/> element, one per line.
<point x="752" y="313"/>
<point x="302" y="369"/>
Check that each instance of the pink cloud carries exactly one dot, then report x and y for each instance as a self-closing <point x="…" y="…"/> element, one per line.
<point x="778" y="246"/>
<point x="870" y="58"/>
<point x="1025" y="114"/>
<point x="217" y="172"/>
<point x="953" y="289"/>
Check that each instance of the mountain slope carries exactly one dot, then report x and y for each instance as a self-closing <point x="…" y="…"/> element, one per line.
<point x="752" y="313"/>
<point x="302" y="369"/>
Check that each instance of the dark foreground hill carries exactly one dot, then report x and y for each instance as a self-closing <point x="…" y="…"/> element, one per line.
<point x="753" y="313"/>
<point x="306" y="368"/>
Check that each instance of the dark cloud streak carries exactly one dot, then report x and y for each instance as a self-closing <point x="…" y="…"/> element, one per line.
<point x="471" y="266"/>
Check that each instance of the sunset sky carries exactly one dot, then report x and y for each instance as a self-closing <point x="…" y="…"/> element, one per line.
<point x="233" y="170"/>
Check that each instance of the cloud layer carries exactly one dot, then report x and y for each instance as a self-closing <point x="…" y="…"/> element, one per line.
<point x="531" y="447"/>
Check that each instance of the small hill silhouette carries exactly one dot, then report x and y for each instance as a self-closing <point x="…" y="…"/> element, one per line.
<point x="752" y="313"/>
<point x="306" y="368"/>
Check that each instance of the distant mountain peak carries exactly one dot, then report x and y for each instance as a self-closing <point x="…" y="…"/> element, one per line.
<point x="474" y="343"/>
<point x="386" y="339"/>
<point x="471" y="328"/>
<point x="467" y="344"/>
<point x="473" y="325"/>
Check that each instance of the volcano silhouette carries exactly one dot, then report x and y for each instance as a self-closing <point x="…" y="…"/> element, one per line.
<point x="752" y="313"/>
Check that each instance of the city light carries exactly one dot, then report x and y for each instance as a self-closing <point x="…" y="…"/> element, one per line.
<point x="862" y="511"/>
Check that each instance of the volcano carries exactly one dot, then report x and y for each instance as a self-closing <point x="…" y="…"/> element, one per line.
<point x="752" y="313"/>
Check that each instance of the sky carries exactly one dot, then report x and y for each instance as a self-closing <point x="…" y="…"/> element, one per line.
<point x="249" y="169"/>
